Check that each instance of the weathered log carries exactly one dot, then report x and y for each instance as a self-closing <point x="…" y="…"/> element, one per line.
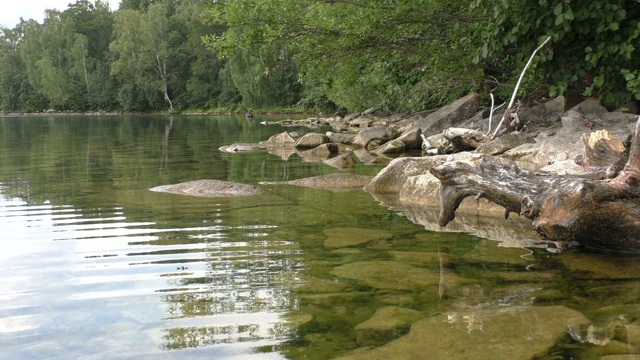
<point x="597" y="213"/>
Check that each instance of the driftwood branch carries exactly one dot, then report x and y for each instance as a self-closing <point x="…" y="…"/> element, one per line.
<point x="508" y="110"/>
<point x="600" y="213"/>
<point x="493" y="108"/>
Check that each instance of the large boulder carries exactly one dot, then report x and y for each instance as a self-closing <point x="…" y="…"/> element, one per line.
<point x="392" y="178"/>
<point x="451" y="115"/>
<point x="379" y="134"/>
<point x="209" y="188"/>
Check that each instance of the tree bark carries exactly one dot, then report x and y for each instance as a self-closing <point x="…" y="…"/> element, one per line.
<point x="600" y="210"/>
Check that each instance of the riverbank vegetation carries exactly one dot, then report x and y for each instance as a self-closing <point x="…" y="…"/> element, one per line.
<point x="396" y="55"/>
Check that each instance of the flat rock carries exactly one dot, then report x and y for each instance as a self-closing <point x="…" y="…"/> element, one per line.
<point x="351" y="236"/>
<point x="209" y="188"/>
<point x="336" y="182"/>
<point x="393" y="275"/>
<point x="505" y="334"/>
<point x="385" y="324"/>
<point x="238" y="147"/>
<point x="506" y="142"/>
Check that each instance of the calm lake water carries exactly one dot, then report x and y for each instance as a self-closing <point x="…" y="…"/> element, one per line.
<point x="93" y="265"/>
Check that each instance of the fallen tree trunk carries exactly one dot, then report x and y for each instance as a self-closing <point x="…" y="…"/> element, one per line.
<point x="600" y="210"/>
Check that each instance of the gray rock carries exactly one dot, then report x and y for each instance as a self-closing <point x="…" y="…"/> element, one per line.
<point x="239" y="147"/>
<point x="411" y="139"/>
<point x="311" y="140"/>
<point x="573" y="121"/>
<point x="344" y="161"/>
<point x="282" y="139"/>
<point x="360" y="122"/>
<point x="451" y="115"/>
<point x="380" y="134"/>
<point x="209" y="188"/>
<point x="335" y="182"/>
<point x="590" y="107"/>
<point x="506" y="142"/>
<point x="351" y="117"/>
<point x="392" y="147"/>
<point x="323" y="151"/>
<point x="524" y="152"/>
<point x="563" y="167"/>
<point x="392" y="178"/>
<point x="340" y="138"/>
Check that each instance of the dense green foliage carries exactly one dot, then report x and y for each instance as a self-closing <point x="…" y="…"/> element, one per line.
<point x="405" y="55"/>
<point x="413" y="54"/>
<point x="594" y="49"/>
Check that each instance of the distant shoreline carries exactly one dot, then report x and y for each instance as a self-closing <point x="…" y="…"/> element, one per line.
<point x="97" y="113"/>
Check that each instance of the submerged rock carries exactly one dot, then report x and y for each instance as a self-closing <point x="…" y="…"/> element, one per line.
<point x="209" y="188"/>
<point x="388" y="275"/>
<point x="335" y="182"/>
<point x="238" y="147"/>
<point x="344" y="237"/>
<point x="385" y="325"/>
<point x="517" y="333"/>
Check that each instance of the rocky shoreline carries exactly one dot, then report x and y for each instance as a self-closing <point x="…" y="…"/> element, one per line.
<point x="550" y="142"/>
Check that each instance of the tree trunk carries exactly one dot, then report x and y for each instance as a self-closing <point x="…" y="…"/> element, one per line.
<point x="600" y="210"/>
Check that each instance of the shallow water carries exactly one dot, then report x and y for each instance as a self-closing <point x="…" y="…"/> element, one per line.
<point x="94" y="265"/>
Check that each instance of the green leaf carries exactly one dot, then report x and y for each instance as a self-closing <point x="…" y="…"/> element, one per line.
<point x="598" y="81"/>
<point x="614" y="26"/>
<point x="558" y="9"/>
<point x="568" y="15"/>
<point x="559" y="19"/>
